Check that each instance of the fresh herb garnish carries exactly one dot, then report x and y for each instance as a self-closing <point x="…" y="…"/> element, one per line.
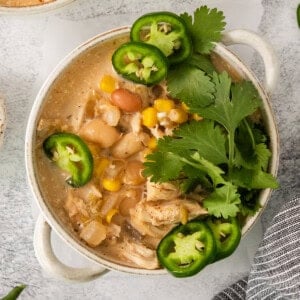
<point x="205" y="28"/>
<point x="226" y="150"/>
<point x="223" y="201"/>
<point x="191" y="85"/>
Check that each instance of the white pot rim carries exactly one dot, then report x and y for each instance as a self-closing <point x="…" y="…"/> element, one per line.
<point x="30" y="138"/>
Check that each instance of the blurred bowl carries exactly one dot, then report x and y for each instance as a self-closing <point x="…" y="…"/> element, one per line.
<point x="39" y="8"/>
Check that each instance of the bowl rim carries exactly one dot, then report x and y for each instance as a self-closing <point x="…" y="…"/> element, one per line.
<point x="30" y="138"/>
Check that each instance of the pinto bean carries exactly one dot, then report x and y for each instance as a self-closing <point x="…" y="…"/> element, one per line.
<point x="126" y="100"/>
<point x="99" y="132"/>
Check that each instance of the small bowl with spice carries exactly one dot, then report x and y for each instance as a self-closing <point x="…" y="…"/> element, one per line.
<point x="152" y="148"/>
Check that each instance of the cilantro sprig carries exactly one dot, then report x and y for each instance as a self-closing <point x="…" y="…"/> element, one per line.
<point x="205" y="28"/>
<point x="228" y="152"/>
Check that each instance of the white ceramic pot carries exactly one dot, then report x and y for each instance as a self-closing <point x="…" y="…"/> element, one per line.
<point x="33" y="9"/>
<point x="47" y="222"/>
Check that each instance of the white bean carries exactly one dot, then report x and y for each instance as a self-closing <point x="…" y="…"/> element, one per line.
<point x="99" y="132"/>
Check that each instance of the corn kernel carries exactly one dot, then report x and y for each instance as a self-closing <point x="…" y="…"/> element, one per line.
<point x="152" y="143"/>
<point x="108" y="84"/>
<point x="184" y="107"/>
<point x="111" y="185"/>
<point x="101" y="166"/>
<point x="184" y="216"/>
<point x="197" y="117"/>
<point x="164" y="105"/>
<point x="110" y="214"/>
<point x="149" y="117"/>
<point x="178" y="115"/>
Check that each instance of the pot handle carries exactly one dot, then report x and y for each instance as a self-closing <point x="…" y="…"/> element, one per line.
<point x="249" y="38"/>
<point x="51" y="264"/>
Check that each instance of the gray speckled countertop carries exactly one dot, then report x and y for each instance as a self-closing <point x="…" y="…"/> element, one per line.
<point x="30" y="46"/>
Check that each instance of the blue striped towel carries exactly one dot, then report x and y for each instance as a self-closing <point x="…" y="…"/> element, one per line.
<point x="275" y="273"/>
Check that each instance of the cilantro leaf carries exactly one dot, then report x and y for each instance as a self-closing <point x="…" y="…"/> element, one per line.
<point x="162" y="166"/>
<point x="253" y="179"/>
<point x="249" y="154"/>
<point x="223" y="201"/>
<point x="202" y="62"/>
<point x="206" y="28"/>
<point x="249" y="204"/>
<point x="230" y="112"/>
<point x="258" y="159"/>
<point x="195" y="177"/>
<point x="191" y="85"/>
<point x="214" y="172"/>
<point x="203" y="137"/>
<point x="263" y="155"/>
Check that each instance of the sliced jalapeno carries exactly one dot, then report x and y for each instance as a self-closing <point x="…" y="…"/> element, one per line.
<point x="227" y="235"/>
<point x="187" y="249"/>
<point x="140" y="63"/>
<point x="166" y="31"/>
<point x="69" y="152"/>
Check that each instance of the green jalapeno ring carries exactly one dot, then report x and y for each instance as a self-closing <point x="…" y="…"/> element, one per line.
<point x="140" y="63"/>
<point x="69" y="152"/>
<point x="165" y="30"/>
<point x="227" y="234"/>
<point x="187" y="249"/>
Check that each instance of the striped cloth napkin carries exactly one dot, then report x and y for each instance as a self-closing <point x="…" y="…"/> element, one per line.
<point x="275" y="273"/>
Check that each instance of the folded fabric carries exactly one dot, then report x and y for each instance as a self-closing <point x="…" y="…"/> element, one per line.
<point x="275" y="273"/>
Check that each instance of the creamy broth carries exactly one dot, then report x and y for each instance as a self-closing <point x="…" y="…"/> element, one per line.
<point x="128" y="241"/>
<point x="23" y="3"/>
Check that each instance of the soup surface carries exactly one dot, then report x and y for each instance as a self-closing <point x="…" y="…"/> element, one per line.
<point x="119" y="214"/>
<point x="23" y="3"/>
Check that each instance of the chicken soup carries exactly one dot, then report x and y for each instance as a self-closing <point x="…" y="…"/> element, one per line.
<point x="153" y="156"/>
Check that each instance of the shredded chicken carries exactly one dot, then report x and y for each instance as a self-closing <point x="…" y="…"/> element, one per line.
<point x="166" y="212"/>
<point x="76" y="206"/>
<point x="48" y="126"/>
<point x="109" y="113"/>
<point x="140" y="255"/>
<point x="156" y="132"/>
<point x="86" y="192"/>
<point x="161" y="191"/>
<point x="85" y="111"/>
<point x="146" y="228"/>
<point x="83" y="204"/>
<point x="113" y="231"/>
<point x="136" y="122"/>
